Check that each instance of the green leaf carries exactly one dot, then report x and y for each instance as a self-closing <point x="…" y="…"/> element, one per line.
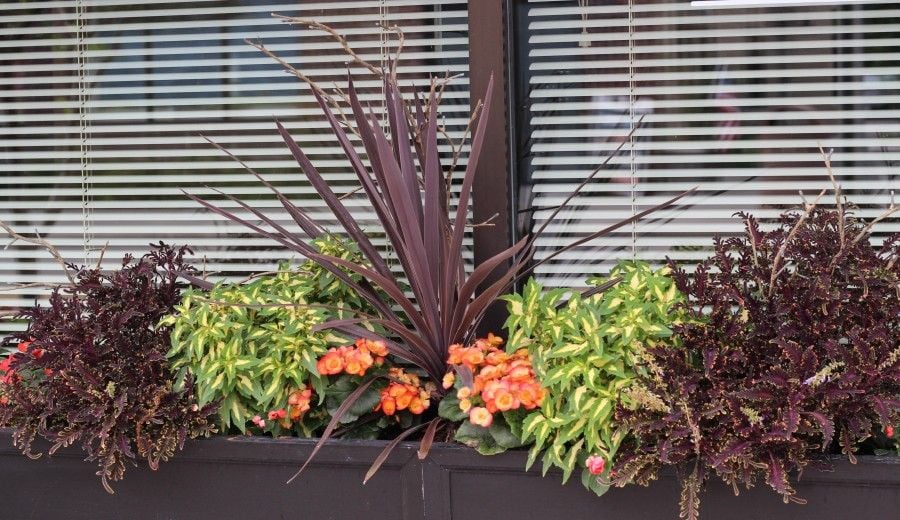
<point x="448" y="408"/>
<point x="478" y="438"/>
<point x="503" y="435"/>
<point x="569" y="350"/>
<point x="571" y="460"/>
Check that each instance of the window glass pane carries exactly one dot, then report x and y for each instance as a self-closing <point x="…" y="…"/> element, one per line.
<point x="734" y="101"/>
<point x="157" y="77"/>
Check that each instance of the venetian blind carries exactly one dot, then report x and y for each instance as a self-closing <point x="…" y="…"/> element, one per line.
<point x="732" y="100"/>
<point x="104" y="104"/>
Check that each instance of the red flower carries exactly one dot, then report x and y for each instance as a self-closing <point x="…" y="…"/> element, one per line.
<point x="595" y="464"/>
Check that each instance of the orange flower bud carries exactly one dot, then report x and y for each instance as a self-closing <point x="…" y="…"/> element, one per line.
<point x="449" y="379"/>
<point x="379" y="348"/>
<point x="473" y="357"/>
<point x="455" y="354"/>
<point x="388" y="406"/>
<point x="497" y="357"/>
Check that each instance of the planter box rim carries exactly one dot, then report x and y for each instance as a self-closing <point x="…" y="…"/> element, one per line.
<point x="869" y="469"/>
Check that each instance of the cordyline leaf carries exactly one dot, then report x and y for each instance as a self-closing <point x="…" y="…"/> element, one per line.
<point x="309" y="227"/>
<point x="334" y="422"/>
<point x="607" y="230"/>
<point x="454" y="249"/>
<point x="581" y="186"/>
<point x="333" y="202"/>
<point x="598" y="289"/>
<point x="196" y="281"/>
<point x="479" y="275"/>
<point x="402" y="141"/>
<point x="436" y="362"/>
<point x="303" y="248"/>
<point x="435" y="212"/>
<point x="375" y="196"/>
<point x="406" y="219"/>
<point x="379" y="460"/>
<point x="262" y="216"/>
<point x="428" y="438"/>
<point x="385" y="208"/>
<point x="476" y="310"/>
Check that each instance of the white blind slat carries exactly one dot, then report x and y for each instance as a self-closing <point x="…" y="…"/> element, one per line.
<point x="732" y="102"/>
<point x="152" y="78"/>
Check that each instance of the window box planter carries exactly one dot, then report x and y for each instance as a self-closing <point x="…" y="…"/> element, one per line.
<point x="244" y="478"/>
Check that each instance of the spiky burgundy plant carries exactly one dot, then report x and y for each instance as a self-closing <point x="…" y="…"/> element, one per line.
<point x="404" y="181"/>
<point x="91" y="368"/>
<point x="793" y="351"/>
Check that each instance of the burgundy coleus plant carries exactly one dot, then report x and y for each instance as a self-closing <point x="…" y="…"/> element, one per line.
<point x="404" y="181"/>
<point x="793" y="350"/>
<point x="91" y="368"/>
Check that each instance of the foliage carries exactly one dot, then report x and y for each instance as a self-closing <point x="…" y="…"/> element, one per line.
<point x="798" y="353"/>
<point x="91" y="368"/>
<point x="493" y="393"/>
<point x="252" y="346"/>
<point x="410" y="192"/>
<point x="586" y="352"/>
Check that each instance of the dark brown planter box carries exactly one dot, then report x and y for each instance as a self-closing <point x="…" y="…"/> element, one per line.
<point x="244" y="478"/>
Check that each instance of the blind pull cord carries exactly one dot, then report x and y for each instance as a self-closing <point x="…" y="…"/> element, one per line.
<point x="84" y="131"/>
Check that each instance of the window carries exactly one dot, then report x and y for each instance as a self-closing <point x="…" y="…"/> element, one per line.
<point x="734" y="101"/>
<point x="104" y="104"/>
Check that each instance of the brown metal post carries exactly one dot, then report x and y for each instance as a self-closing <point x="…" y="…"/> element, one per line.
<point x="492" y="198"/>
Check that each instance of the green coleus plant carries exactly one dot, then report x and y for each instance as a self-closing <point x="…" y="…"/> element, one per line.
<point x="253" y="347"/>
<point x="586" y="349"/>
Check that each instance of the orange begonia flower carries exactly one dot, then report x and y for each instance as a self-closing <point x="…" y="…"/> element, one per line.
<point x="504" y="401"/>
<point x="480" y="416"/>
<point x="449" y="379"/>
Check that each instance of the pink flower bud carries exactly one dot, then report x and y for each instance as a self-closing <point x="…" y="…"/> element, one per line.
<point x="595" y="464"/>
